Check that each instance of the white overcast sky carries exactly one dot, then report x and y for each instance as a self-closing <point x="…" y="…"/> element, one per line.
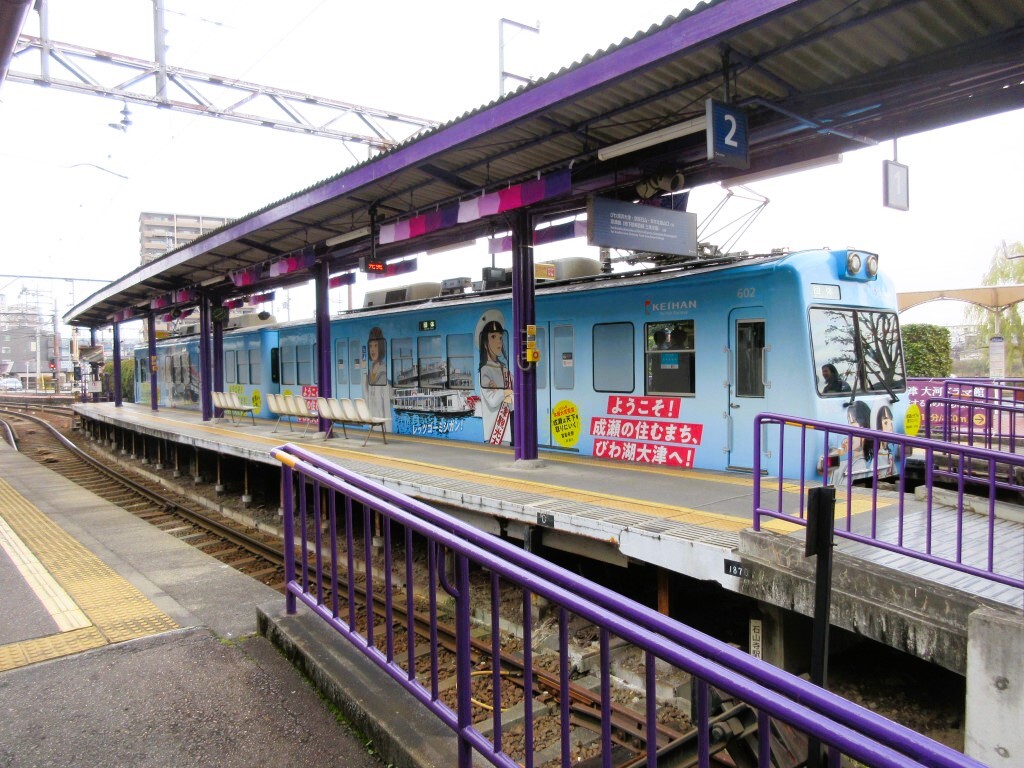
<point x="62" y="217"/>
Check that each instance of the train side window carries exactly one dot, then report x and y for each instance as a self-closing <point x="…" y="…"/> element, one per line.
<point x="289" y="368"/>
<point x="671" y="358"/>
<point x="255" y="366"/>
<point x="431" y="362"/>
<point x="563" y="356"/>
<point x="613" y="357"/>
<point x="460" y="361"/>
<point x="304" y="360"/>
<point x="230" y="363"/>
<point x="403" y="369"/>
<point x="340" y="369"/>
<point x="243" y="368"/>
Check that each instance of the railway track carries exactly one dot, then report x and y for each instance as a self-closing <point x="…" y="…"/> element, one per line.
<point x="40" y="437"/>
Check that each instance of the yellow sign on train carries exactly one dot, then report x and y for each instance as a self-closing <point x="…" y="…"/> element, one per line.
<point x="565" y="423"/>
<point x="912" y="421"/>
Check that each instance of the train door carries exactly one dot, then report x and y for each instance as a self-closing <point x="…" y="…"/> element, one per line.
<point x="543" y="386"/>
<point x="560" y="383"/>
<point x="347" y="368"/>
<point x="748" y="382"/>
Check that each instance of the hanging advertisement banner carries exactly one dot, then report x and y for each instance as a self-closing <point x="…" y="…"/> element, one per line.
<point x="619" y="224"/>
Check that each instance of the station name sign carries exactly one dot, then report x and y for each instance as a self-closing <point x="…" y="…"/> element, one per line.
<point x="620" y="224"/>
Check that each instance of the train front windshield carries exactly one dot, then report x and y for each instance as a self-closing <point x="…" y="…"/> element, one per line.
<point x="856" y="350"/>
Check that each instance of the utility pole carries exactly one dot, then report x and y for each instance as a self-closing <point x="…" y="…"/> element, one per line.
<point x="502" y="74"/>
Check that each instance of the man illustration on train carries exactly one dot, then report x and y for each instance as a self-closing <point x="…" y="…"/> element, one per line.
<point x="495" y="380"/>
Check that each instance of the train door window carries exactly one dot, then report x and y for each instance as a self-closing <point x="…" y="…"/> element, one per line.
<point x="304" y="360"/>
<point x="403" y="369"/>
<point x="563" y="356"/>
<point x="671" y="359"/>
<point x="275" y="365"/>
<point x="143" y="370"/>
<point x="289" y="369"/>
<point x="750" y="358"/>
<point x="431" y="362"/>
<point x="340" y="356"/>
<point x="255" y="366"/>
<point x="613" y="357"/>
<point x="230" y="363"/>
<point x="355" y="360"/>
<point x="460" y="360"/>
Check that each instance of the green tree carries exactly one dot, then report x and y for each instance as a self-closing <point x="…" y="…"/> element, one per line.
<point x="127" y="378"/>
<point x="1006" y="268"/>
<point x="927" y="351"/>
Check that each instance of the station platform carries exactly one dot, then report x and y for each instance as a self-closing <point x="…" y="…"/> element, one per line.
<point x="120" y="645"/>
<point x="691" y="522"/>
<point x="615" y="512"/>
<point x="151" y="653"/>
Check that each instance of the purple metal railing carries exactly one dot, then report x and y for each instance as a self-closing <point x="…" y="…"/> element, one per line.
<point x="980" y="470"/>
<point x="993" y="425"/>
<point x="313" y="489"/>
<point x="1008" y="393"/>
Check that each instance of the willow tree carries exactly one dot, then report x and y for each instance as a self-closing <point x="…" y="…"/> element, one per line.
<point x="1006" y="268"/>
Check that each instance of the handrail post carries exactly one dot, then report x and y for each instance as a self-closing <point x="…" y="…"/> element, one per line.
<point x="464" y="660"/>
<point x="757" y="469"/>
<point x="288" y="505"/>
<point x="821" y="507"/>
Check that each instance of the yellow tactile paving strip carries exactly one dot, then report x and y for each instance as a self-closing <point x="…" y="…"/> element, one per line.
<point x="95" y="604"/>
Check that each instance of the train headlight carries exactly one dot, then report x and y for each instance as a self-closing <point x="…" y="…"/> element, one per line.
<point x="852" y="263"/>
<point x="872" y="265"/>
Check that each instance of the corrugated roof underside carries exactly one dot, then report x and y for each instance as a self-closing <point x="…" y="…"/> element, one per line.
<point x="837" y="63"/>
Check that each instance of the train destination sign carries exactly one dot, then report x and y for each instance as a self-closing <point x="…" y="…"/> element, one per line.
<point x="618" y="224"/>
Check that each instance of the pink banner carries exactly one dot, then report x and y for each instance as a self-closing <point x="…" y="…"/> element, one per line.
<point x="676" y="432"/>
<point x="643" y="453"/>
<point x="658" y="407"/>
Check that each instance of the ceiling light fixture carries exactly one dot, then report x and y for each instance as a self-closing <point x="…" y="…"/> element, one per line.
<point x="696" y="125"/>
<point x="348" y="237"/>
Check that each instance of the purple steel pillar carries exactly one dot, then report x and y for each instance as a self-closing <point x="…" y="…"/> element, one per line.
<point x="218" y="349"/>
<point x="94" y="368"/>
<point x="204" y="358"/>
<point x="524" y="382"/>
<point x="154" y="402"/>
<point x="323" y="335"/>
<point x="117" y="365"/>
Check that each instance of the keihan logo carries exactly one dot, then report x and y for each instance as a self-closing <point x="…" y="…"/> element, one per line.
<point x="650" y="307"/>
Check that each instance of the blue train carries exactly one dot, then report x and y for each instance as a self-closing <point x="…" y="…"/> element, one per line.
<point x="666" y="366"/>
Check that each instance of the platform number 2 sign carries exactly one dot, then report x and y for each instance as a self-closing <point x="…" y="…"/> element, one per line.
<point x="728" y="142"/>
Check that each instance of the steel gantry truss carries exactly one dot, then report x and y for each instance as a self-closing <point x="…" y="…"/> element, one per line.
<point x="46" y="62"/>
